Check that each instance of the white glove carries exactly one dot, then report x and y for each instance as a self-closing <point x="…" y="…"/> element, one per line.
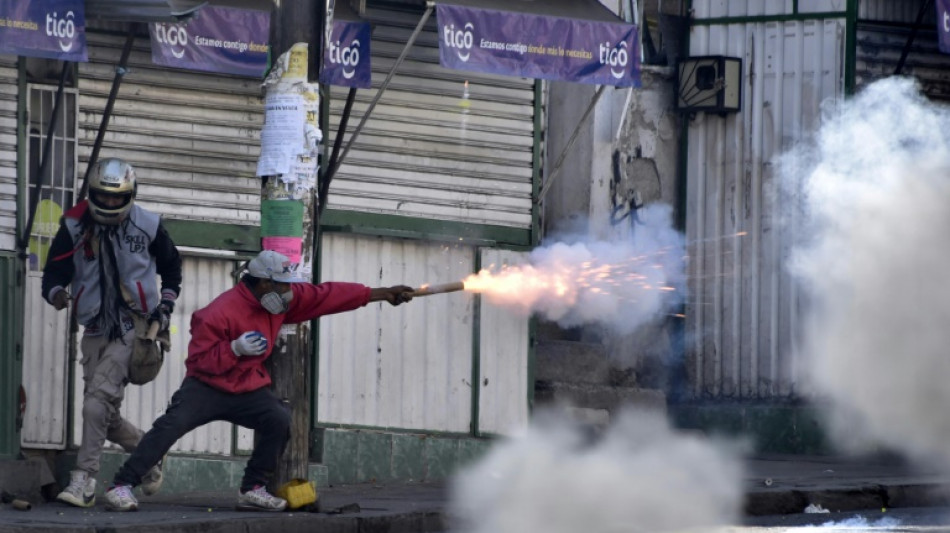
<point x="250" y="343"/>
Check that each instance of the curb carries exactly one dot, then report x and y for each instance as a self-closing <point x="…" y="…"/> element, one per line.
<point x="431" y="517"/>
<point x="297" y="522"/>
<point x="863" y="497"/>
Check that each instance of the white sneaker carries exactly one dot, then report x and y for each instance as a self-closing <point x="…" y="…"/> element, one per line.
<point x="81" y="491"/>
<point x="152" y="481"/>
<point x="259" y="499"/>
<point x="120" y="498"/>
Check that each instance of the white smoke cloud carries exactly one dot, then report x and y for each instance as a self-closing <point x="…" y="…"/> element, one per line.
<point x="877" y="334"/>
<point x="618" y="284"/>
<point x="641" y="477"/>
<point x="861" y="522"/>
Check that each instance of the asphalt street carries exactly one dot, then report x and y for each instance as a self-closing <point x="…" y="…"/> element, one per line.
<point x="861" y="494"/>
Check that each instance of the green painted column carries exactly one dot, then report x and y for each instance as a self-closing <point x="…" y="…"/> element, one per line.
<point x="11" y="358"/>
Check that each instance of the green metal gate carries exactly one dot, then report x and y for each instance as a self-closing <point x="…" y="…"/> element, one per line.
<point x="10" y="354"/>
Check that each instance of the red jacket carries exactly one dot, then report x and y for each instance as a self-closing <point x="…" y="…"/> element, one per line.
<point x="210" y="358"/>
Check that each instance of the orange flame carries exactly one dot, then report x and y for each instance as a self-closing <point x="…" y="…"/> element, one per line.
<point x="524" y="285"/>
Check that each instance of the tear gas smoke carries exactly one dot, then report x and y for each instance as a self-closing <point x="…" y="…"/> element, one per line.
<point x="641" y="477"/>
<point x="883" y="524"/>
<point x="875" y="268"/>
<point x="621" y="285"/>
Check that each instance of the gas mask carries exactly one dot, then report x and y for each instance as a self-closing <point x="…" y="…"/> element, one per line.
<point x="276" y="303"/>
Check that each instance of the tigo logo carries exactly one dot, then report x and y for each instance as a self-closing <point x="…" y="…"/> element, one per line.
<point x="616" y="57"/>
<point x="348" y="56"/>
<point x="63" y="29"/>
<point x="461" y="39"/>
<point x="174" y="36"/>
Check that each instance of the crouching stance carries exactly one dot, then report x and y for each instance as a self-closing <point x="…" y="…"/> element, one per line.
<point x="226" y="378"/>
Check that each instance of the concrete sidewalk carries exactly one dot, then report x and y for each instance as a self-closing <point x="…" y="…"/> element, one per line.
<point x="773" y="484"/>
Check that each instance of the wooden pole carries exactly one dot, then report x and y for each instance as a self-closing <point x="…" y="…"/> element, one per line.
<point x="290" y="363"/>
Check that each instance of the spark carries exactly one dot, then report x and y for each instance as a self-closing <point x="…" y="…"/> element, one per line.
<point x="566" y="283"/>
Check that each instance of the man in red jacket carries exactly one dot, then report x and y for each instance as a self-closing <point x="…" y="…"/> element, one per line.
<point x="226" y="378"/>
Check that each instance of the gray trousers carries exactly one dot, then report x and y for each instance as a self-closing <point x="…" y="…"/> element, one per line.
<point x="105" y="368"/>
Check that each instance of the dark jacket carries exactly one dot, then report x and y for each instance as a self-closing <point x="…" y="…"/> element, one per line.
<point x="142" y="249"/>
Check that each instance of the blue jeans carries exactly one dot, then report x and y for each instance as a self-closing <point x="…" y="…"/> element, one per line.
<point x="196" y="404"/>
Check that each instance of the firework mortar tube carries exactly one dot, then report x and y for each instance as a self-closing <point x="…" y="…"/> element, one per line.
<point x="426" y="290"/>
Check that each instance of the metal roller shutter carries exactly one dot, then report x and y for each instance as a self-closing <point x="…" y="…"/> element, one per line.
<point x="440" y="144"/>
<point x="193" y="137"/>
<point x="880" y="43"/>
<point x="8" y="157"/>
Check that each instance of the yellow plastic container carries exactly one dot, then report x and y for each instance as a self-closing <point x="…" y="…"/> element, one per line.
<point x="298" y="493"/>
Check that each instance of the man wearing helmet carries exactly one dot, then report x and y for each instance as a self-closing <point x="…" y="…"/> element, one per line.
<point x="108" y="251"/>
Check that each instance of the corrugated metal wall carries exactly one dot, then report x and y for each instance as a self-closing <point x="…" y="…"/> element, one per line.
<point x="192" y="137"/>
<point x="207" y="278"/>
<point x="45" y="369"/>
<point x="435" y="147"/>
<point x="10" y="312"/>
<point x="892" y="10"/>
<point x="742" y="309"/>
<point x="402" y="367"/>
<point x="8" y="159"/>
<point x="703" y="9"/>
<point x="504" y="378"/>
<point x="884" y="27"/>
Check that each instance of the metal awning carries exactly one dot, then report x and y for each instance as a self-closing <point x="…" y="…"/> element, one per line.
<point x="569" y="9"/>
<point x="161" y="10"/>
<point x="142" y="10"/>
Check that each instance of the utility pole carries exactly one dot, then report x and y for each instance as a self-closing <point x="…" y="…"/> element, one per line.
<point x="295" y="22"/>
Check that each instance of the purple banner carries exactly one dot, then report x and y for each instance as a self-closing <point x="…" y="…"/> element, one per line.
<point x="346" y="60"/>
<point x="217" y="39"/>
<point x="538" y="46"/>
<point x="54" y="29"/>
<point x="943" y="25"/>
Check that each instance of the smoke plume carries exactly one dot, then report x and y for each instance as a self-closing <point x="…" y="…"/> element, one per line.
<point x="621" y="284"/>
<point x="875" y="269"/>
<point x="641" y="477"/>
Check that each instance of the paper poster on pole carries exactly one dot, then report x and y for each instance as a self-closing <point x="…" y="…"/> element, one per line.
<point x="283" y="135"/>
<point x="302" y="176"/>
<point x="281" y="218"/>
<point x="289" y="246"/>
<point x="282" y="227"/>
<point x="290" y="146"/>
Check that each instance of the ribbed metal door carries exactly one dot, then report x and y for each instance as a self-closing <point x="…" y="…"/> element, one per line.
<point x="8" y="144"/>
<point x="503" y="381"/>
<point x="743" y="309"/>
<point x="398" y="367"/>
<point x="192" y="137"/>
<point x="45" y="369"/>
<point x="412" y="366"/>
<point x="440" y="144"/>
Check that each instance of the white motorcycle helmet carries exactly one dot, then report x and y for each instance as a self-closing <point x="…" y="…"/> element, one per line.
<point x="110" y="179"/>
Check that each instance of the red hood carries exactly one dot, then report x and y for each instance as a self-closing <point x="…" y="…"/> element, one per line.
<point x="77" y="211"/>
